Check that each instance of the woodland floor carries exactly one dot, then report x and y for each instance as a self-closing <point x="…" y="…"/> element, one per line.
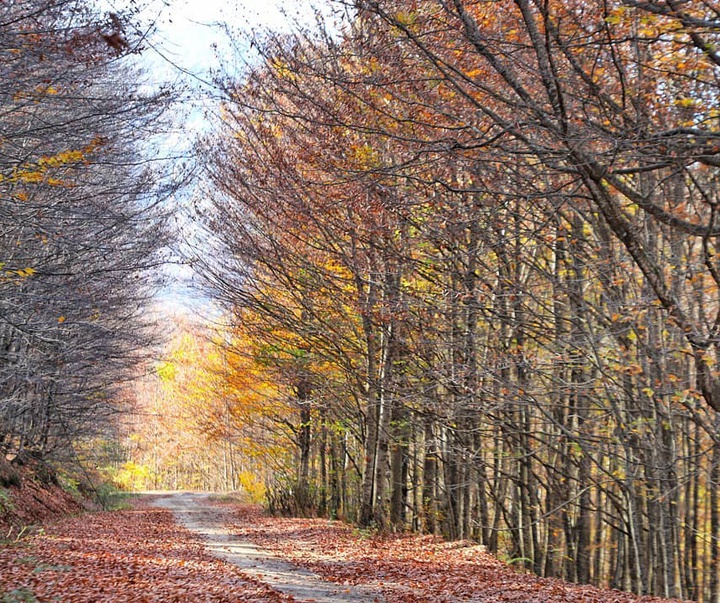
<point x="143" y="554"/>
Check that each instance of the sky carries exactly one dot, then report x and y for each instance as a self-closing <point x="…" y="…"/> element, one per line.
<point x="189" y="45"/>
<point x="190" y="31"/>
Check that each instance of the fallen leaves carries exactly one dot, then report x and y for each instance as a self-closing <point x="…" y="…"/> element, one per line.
<point x="30" y="494"/>
<point x="134" y="556"/>
<point x="142" y="556"/>
<point x="410" y="569"/>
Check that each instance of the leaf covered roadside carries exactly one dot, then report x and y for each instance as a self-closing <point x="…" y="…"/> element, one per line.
<point x="135" y="555"/>
<point x="408" y="568"/>
<point x="142" y="555"/>
<point x="27" y="496"/>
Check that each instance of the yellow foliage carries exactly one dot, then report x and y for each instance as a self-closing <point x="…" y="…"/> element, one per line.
<point x="63" y="158"/>
<point x="406" y="19"/>
<point x="131" y="476"/>
<point x="38" y="173"/>
<point x="364" y="155"/>
<point x="29" y="177"/>
<point x="22" y="273"/>
<point x="167" y="371"/>
<point x="208" y="414"/>
<point x="616" y="15"/>
<point x="253" y="487"/>
<point x="282" y="69"/>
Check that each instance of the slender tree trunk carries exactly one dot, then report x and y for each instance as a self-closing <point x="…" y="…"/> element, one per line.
<point x="430" y="475"/>
<point x="399" y="469"/>
<point x="372" y="414"/>
<point x="714" y="487"/>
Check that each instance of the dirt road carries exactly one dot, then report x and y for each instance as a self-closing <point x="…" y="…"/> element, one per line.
<point x="195" y="512"/>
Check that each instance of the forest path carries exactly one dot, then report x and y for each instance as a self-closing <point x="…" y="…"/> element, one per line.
<point x="145" y="553"/>
<point x="196" y="512"/>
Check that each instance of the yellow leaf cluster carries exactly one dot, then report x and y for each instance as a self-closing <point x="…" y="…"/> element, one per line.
<point x="22" y="273"/>
<point x="364" y="155"/>
<point x="39" y="172"/>
<point x="62" y="158"/>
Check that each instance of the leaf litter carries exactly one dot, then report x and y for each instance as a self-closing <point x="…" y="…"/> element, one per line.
<point x="410" y="568"/>
<point x="141" y="555"/>
<point x="138" y="555"/>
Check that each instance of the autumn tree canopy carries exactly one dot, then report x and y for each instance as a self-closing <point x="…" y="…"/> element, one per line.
<point x="475" y="245"/>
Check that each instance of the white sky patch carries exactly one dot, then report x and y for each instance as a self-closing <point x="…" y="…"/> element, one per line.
<point x="193" y="34"/>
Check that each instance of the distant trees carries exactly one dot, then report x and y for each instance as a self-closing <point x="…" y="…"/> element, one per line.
<point x="201" y="421"/>
<point x="81" y="222"/>
<point x="476" y="244"/>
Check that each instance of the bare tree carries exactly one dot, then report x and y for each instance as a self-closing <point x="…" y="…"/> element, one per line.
<point x="82" y="223"/>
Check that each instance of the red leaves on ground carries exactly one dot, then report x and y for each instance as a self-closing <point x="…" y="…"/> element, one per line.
<point x="142" y="555"/>
<point x="30" y="494"/>
<point x="138" y="555"/>
<point x="410" y="569"/>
